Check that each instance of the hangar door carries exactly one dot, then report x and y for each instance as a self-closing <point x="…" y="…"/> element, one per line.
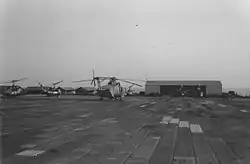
<point x="171" y="90"/>
<point x="189" y="90"/>
<point x="192" y="91"/>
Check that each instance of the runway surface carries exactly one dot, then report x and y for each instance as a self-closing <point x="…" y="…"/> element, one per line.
<point x="138" y="130"/>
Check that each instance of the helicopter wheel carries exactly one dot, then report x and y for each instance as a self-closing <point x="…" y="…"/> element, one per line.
<point x="101" y="98"/>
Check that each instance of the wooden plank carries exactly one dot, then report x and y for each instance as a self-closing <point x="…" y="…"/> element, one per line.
<point x="204" y="153"/>
<point x="163" y="153"/>
<point x="222" y="152"/>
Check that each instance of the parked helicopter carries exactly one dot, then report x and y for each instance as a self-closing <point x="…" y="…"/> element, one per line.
<point x="13" y="90"/>
<point x="112" y="90"/>
<point x="51" y="90"/>
<point x="129" y="91"/>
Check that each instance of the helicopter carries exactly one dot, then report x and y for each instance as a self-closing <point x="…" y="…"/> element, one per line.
<point x="13" y="90"/>
<point x="52" y="90"/>
<point x="129" y="91"/>
<point x="113" y="90"/>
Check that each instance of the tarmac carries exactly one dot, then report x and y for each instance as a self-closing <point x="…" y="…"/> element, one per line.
<point x="136" y="130"/>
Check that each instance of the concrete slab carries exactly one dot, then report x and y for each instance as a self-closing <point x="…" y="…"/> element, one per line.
<point x="204" y="153"/>
<point x="184" y="160"/>
<point x="222" y="152"/>
<point x="137" y="161"/>
<point x="163" y="153"/>
<point x="144" y="152"/>
<point x="125" y="150"/>
<point x="28" y="146"/>
<point x="184" y="143"/>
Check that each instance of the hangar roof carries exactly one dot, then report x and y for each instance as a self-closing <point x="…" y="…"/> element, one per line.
<point x="193" y="82"/>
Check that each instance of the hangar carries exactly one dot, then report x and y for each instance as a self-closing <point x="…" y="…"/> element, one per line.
<point x="209" y="88"/>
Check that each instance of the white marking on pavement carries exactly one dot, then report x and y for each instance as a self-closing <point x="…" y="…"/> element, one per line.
<point x="153" y="102"/>
<point x="166" y="119"/>
<point x="184" y="124"/>
<point x="163" y="122"/>
<point x="221" y="105"/>
<point x="142" y="106"/>
<point x="85" y="115"/>
<point x="243" y="110"/>
<point x="31" y="153"/>
<point x="156" y="138"/>
<point x="174" y="121"/>
<point x="195" y="128"/>
<point x="108" y="121"/>
<point x="81" y="129"/>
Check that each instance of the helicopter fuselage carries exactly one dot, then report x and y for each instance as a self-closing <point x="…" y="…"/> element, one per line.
<point x="111" y="91"/>
<point x="13" y="91"/>
<point x="52" y="92"/>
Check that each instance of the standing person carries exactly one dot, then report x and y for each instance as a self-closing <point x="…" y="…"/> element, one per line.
<point x="199" y="90"/>
<point x="181" y="91"/>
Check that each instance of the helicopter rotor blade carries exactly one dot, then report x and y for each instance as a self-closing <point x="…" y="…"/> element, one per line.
<point x="58" y="82"/>
<point x="82" y="81"/>
<point x="103" y="79"/>
<point x="93" y="73"/>
<point x="130" y="82"/>
<point x="13" y="81"/>
<point x="5" y="82"/>
<point x="139" y="80"/>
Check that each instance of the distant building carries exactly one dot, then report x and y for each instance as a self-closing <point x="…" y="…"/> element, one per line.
<point x="85" y="90"/>
<point x="33" y="90"/>
<point x="208" y="88"/>
<point x="3" y="88"/>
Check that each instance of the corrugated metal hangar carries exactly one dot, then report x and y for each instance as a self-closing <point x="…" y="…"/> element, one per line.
<point x="208" y="88"/>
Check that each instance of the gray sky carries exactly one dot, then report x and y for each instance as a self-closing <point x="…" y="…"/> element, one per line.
<point x="49" y="40"/>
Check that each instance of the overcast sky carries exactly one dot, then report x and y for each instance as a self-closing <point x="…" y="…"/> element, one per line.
<point x="49" y="40"/>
